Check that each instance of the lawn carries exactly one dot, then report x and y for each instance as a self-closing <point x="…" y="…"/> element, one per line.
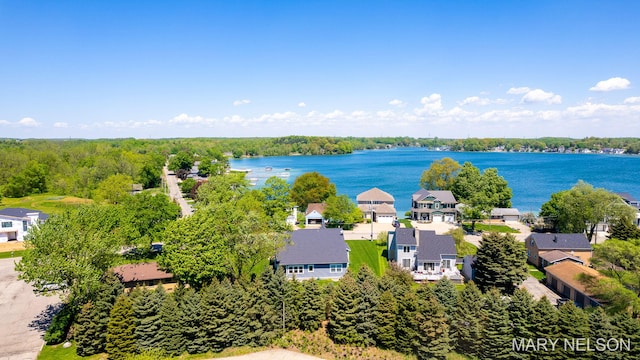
<point x="490" y="228"/>
<point x="533" y="271"/>
<point x="367" y="252"/>
<point x="47" y="203"/>
<point x="11" y="254"/>
<point x="406" y="223"/>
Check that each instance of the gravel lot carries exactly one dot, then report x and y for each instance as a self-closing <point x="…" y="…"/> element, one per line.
<point x="23" y="315"/>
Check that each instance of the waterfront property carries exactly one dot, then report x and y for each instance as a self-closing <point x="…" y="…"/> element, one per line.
<point x="564" y="278"/>
<point x="428" y="256"/>
<point x="315" y="254"/>
<point x="433" y="206"/>
<point x="377" y="205"/>
<point x="314" y="212"/>
<point x="15" y="223"/>
<point x="505" y="214"/>
<point x="633" y="202"/>
<point x="573" y="245"/>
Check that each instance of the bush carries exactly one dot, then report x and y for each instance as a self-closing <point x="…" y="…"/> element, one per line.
<point x="57" y="331"/>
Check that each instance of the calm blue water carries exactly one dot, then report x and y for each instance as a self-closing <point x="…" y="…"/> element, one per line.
<point x="533" y="177"/>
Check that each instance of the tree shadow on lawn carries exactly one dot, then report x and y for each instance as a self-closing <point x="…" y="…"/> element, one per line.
<point x="43" y="320"/>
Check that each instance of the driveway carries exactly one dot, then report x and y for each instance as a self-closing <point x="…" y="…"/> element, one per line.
<point x="23" y="315"/>
<point x="538" y="290"/>
<point x="175" y="193"/>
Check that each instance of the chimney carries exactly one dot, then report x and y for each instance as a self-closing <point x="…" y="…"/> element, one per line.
<point x="555" y="238"/>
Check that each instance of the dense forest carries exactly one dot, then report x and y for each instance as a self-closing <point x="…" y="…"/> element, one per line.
<point x="78" y="167"/>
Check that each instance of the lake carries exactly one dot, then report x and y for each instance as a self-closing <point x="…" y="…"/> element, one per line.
<point x="533" y="177"/>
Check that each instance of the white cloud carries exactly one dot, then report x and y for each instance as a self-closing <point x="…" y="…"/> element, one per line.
<point x="5" y="122"/>
<point x="397" y="102"/>
<point x="431" y="105"/>
<point x="474" y="100"/>
<point x="632" y="100"/>
<point x="61" y="125"/>
<point x="518" y="90"/>
<point x="28" y="122"/>
<point x="241" y="102"/>
<point x="301" y="104"/>
<point x="615" y="83"/>
<point x="539" y="95"/>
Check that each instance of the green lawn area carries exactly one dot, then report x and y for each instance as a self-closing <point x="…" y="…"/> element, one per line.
<point x="406" y="223"/>
<point x="47" y="203"/>
<point x="490" y="228"/>
<point x="12" y="254"/>
<point x="466" y="248"/>
<point x="367" y="252"/>
<point x="535" y="272"/>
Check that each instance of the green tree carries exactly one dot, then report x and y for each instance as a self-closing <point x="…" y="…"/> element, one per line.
<point x="219" y="304"/>
<point x="145" y="216"/>
<point x="173" y="342"/>
<point x="500" y="263"/>
<point x="447" y="295"/>
<point x="467" y="182"/>
<point x="87" y="338"/>
<point x="277" y="201"/>
<point x="344" y="312"/>
<point x="440" y="175"/>
<point x="146" y="308"/>
<point x="386" y="320"/>
<point x="369" y="297"/>
<point x="496" y="330"/>
<point x="114" y="189"/>
<point x="186" y="185"/>
<point x="432" y="327"/>
<point x="627" y="326"/>
<point x="311" y="187"/>
<point x="573" y="323"/>
<point x="32" y="179"/>
<point x="622" y="261"/>
<point x="406" y="326"/>
<point x="121" y="337"/>
<point x="311" y="314"/>
<point x="545" y="313"/>
<point x="520" y="310"/>
<point x="182" y="160"/>
<point x="467" y="323"/>
<point x="340" y="211"/>
<point x="600" y="327"/>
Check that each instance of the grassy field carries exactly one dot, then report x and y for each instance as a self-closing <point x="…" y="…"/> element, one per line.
<point x="490" y="228"/>
<point x="47" y="203"/>
<point x="367" y="252"/>
<point x="406" y="223"/>
<point x="533" y="271"/>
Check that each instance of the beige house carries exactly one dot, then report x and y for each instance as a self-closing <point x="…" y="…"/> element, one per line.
<point x="377" y="205"/>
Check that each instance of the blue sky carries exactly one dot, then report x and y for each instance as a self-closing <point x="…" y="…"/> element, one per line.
<point x="451" y="69"/>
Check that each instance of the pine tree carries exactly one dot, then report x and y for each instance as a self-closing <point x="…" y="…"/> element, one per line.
<point x="432" y="327"/>
<point x="406" y="335"/>
<point x="344" y="312"/>
<point x="467" y="321"/>
<point x="173" y="342"/>
<point x="190" y="322"/>
<point x="521" y="318"/>
<point x="276" y="285"/>
<point x="121" y="337"/>
<point x="369" y="297"/>
<point x="600" y="327"/>
<point x="86" y="332"/>
<point x="293" y="304"/>
<point x="146" y="307"/>
<point x="386" y="320"/>
<point x="545" y="316"/>
<point x="218" y="315"/>
<point x="311" y="314"/>
<point x="262" y="318"/>
<point x="573" y="323"/>
<point x="500" y="263"/>
<point x="627" y="327"/>
<point x="446" y="294"/>
<point x="496" y="332"/>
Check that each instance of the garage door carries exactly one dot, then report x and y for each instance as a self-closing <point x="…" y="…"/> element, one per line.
<point x="385" y="219"/>
<point x="437" y="218"/>
<point x="449" y="218"/>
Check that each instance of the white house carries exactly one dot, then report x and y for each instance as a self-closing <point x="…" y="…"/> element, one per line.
<point x="16" y="222"/>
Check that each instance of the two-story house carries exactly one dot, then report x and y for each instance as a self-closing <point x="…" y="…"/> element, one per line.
<point x="433" y="206"/>
<point x="634" y="203"/>
<point x="377" y="205"/>
<point x="548" y="249"/>
<point x="402" y="247"/>
<point x="15" y="223"/>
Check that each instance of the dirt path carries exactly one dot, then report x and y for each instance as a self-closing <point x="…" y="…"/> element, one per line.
<point x="11" y="246"/>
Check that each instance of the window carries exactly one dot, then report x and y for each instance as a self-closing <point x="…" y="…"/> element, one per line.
<point x="309" y="268"/>
<point x="446" y="264"/>
<point x="429" y="266"/>
<point x="294" y="269"/>
<point x="25" y="225"/>
<point x="7" y="224"/>
<point x="406" y="263"/>
<point x="335" y="268"/>
<point x="406" y="249"/>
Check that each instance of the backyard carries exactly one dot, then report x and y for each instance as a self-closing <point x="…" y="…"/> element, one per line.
<point x="372" y="253"/>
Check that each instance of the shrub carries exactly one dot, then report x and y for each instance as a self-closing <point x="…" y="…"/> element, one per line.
<point x="60" y="324"/>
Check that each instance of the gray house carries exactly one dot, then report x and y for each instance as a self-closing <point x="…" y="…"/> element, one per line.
<point x="315" y="254"/>
<point x="402" y="247"/>
<point x="436" y="256"/>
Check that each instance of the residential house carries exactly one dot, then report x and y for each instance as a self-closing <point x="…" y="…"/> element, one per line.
<point x="574" y="245"/>
<point x="556" y="256"/>
<point x="426" y="255"/>
<point x="631" y="201"/>
<point x="314" y="212"/>
<point x="433" y="206"/>
<point x="468" y="267"/>
<point x="377" y="205"/>
<point x="436" y="257"/>
<point x="144" y="274"/>
<point x="315" y="254"/>
<point x="402" y="247"/>
<point x="15" y="223"/>
<point x="505" y="214"/>
<point x="564" y="278"/>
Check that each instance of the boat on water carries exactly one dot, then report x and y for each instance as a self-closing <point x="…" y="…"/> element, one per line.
<point x="284" y="174"/>
<point x="253" y="181"/>
<point x="268" y="168"/>
<point x="287" y="169"/>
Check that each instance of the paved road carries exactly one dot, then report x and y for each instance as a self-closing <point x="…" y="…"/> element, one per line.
<point x="175" y="193"/>
<point x="23" y="315"/>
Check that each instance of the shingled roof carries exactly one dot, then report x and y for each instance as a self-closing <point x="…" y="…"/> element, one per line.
<point x="568" y="272"/>
<point x="432" y="246"/>
<point x="315" y="246"/>
<point x="22" y="213"/>
<point x="560" y="241"/>
<point x="406" y="236"/>
<point x="444" y="196"/>
<point x="374" y="194"/>
<point x="141" y="272"/>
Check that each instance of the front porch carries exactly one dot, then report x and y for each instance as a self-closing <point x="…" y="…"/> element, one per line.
<point x="429" y="275"/>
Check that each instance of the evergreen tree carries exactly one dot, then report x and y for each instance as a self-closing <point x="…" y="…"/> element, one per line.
<point x="396" y="279"/>
<point x="218" y="314"/>
<point x="173" y="342"/>
<point x="432" y="327"/>
<point x="276" y="285"/>
<point x="447" y="295"/>
<point x="500" y="263"/>
<point x="573" y="323"/>
<point x="628" y="328"/>
<point x="293" y="304"/>
<point x="545" y="316"/>
<point x="406" y="335"/>
<point x="262" y="318"/>
<point x="189" y="323"/>
<point x="369" y="296"/>
<point x="311" y="314"/>
<point x="466" y="323"/>
<point x="344" y="312"/>
<point x="88" y="339"/>
<point x="600" y="327"/>
<point x="146" y="307"/>
<point x="496" y="332"/>
<point x="121" y="337"/>
<point x="521" y="318"/>
<point x="386" y="320"/>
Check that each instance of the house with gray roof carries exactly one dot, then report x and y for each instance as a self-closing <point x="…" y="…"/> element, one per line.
<point x="402" y="247"/>
<point x="377" y="205"/>
<point x="633" y="202"/>
<point x="575" y="245"/>
<point x="433" y="206"/>
<point x="15" y="223"/>
<point x="315" y="254"/>
<point x="505" y="214"/>
<point x="314" y="214"/>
